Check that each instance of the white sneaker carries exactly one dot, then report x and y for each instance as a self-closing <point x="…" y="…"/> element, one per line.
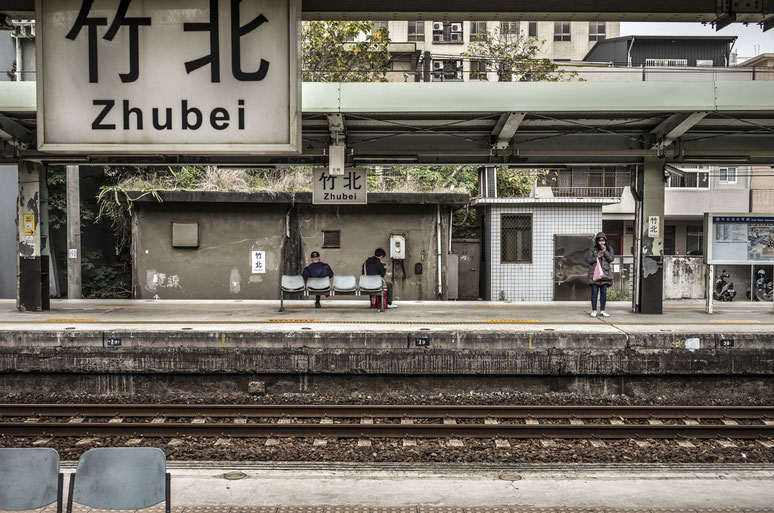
<point x="392" y="306"/>
<point x="593" y="313"/>
<point x="604" y="314"/>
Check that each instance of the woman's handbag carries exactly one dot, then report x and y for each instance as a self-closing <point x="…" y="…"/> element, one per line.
<point x="598" y="272"/>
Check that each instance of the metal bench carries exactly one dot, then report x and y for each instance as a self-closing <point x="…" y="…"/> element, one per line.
<point x="374" y="285"/>
<point x="30" y="479"/>
<point x="341" y="284"/>
<point x="345" y="284"/>
<point x="290" y="285"/>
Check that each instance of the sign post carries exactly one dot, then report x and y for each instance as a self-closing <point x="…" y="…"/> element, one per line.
<point x="168" y="76"/>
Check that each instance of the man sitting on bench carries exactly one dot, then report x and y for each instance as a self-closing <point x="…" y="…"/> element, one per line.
<point x="316" y="269"/>
<point x="374" y="265"/>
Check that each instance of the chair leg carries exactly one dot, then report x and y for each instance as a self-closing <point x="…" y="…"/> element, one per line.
<point x="282" y="301"/>
<point x="70" y="495"/>
<point x="59" y="493"/>
<point x="168" y="492"/>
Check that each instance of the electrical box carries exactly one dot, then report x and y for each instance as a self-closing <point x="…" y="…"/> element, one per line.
<point x="397" y="247"/>
<point x="336" y="158"/>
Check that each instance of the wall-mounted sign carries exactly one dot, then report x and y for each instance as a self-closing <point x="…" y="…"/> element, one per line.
<point x="739" y="238"/>
<point x="349" y="188"/>
<point x="653" y="226"/>
<point x="171" y="76"/>
<point x="258" y="259"/>
<point x="29" y="224"/>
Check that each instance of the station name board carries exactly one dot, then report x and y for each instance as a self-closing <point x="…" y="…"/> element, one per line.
<point x="348" y="188"/>
<point x="168" y="76"/>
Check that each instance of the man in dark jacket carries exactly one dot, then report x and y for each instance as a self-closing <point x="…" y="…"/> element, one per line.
<point x="316" y="269"/>
<point x="374" y="265"/>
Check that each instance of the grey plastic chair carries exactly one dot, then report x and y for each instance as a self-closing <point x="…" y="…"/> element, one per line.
<point x="30" y="479"/>
<point x="290" y="284"/>
<point x="120" y="478"/>
<point x="344" y="284"/>
<point x="371" y="285"/>
<point x="318" y="285"/>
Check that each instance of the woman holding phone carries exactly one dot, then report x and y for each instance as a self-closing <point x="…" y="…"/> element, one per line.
<point x="599" y="256"/>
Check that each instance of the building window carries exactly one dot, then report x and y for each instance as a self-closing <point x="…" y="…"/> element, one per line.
<point x="704" y="63"/>
<point x="516" y="239"/>
<point x="669" y="239"/>
<point x="532" y="29"/>
<point x="478" y="70"/>
<point x="477" y="30"/>
<point x="331" y="238"/>
<point x="562" y="31"/>
<point x="694" y="239"/>
<point x="597" y="30"/>
<point x="509" y="27"/>
<point x="444" y="32"/>
<point x="416" y="31"/>
<point x="693" y="179"/>
<point x="666" y="63"/>
<point x="379" y="25"/>
<point x="727" y="175"/>
<point x="447" y="70"/>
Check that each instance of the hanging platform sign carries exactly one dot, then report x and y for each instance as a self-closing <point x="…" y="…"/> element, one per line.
<point x="168" y="76"/>
<point x="348" y="188"/>
<point x="741" y="239"/>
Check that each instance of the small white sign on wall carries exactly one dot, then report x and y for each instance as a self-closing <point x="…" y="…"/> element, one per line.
<point x="653" y="226"/>
<point x="259" y="261"/>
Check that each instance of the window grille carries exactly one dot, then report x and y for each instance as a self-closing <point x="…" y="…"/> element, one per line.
<point x="331" y="238"/>
<point x="516" y="239"/>
<point x="447" y="32"/>
<point x="477" y="30"/>
<point x="666" y="63"/>
<point x="727" y="175"/>
<point x="562" y="31"/>
<point x="509" y="27"/>
<point x="478" y="70"/>
<point x="694" y="240"/>
<point x="532" y="29"/>
<point x="597" y="30"/>
<point x="416" y="31"/>
<point x="693" y="179"/>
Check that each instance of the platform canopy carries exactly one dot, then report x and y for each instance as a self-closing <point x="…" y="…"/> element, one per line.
<point x="528" y="124"/>
<point x="722" y="12"/>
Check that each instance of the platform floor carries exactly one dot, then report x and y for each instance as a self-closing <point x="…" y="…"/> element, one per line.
<point x="454" y="488"/>
<point x="345" y="314"/>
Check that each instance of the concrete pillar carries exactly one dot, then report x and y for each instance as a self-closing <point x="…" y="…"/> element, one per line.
<point x="32" y="280"/>
<point x="651" y="250"/>
<point x="73" y="233"/>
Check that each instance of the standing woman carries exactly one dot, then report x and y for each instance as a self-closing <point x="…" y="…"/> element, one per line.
<point x="599" y="256"/>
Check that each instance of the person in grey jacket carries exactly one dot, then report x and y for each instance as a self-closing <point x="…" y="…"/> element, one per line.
<point x="600" y="252"/>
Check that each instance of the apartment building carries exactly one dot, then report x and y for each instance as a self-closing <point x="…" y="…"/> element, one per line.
<point x="447" y="41"/>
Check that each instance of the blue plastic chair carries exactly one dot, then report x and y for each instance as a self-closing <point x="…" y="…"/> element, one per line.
<point x="120" y="478"/>
<point x="30" y="479"/>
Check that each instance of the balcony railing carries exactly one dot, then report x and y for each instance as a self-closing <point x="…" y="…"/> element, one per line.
<point x="587" y="192"/>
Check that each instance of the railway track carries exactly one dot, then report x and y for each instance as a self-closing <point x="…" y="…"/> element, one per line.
<point x="387" y="421"/>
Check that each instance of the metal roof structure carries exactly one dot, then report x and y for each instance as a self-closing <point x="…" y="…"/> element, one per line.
<point x="722" y="12"/>
<point x="527" y="123"/>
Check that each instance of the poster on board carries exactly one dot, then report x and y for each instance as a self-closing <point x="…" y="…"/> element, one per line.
<point x="739" y="238"/>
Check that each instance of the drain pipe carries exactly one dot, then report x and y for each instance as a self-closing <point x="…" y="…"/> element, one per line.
<point x="438" y="235"/>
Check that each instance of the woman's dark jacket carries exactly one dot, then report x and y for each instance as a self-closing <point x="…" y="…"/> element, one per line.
<point x="606" y="260"/>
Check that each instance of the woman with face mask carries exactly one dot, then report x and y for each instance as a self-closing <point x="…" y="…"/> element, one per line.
<point x="599" y="257"/>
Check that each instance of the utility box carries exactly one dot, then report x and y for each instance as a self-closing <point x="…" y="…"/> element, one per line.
<point x="398" y="247"/>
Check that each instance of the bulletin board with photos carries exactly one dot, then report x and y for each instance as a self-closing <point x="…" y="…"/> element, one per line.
<point x="739" y="238"/>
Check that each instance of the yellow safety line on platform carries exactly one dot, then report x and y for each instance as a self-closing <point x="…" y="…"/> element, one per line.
<point x="736" y="322"/>
<point x="70" y="320"/>
<point x="515" y="321"/>
<point x="496" y="306"/>
<point x="290" y="320"/>
<point x="105" y="304"/>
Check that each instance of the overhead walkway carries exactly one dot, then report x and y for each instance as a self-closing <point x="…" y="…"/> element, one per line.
<point x="489" y="123"/>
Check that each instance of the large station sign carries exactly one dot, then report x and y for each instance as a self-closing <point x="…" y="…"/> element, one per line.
<point x="340" y="189"/>
<point x="739" y="238"/>
<point x="168" y="76"/>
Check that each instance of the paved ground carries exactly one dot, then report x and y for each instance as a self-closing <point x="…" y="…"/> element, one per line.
<point x="419" y="488"/>
<point x="343" y="313"/>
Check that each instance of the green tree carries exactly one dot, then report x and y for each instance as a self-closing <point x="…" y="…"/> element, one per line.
<point x="344" y="51"/>
<point x="514" y="57"/>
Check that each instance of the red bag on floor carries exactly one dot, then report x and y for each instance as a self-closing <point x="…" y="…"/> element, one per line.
<point x="598" y="272"/>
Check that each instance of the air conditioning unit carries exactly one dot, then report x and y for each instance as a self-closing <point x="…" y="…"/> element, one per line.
<point x="437" y="65"/>
<point x="455" y="37"/>
<point x="437" y="26"/>
<point x="456" y="27"/>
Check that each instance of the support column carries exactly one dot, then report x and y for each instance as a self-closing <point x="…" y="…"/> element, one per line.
<point x="651" y="250"/>
<point x="73" y="233"/>
<point x="31" y="291"/>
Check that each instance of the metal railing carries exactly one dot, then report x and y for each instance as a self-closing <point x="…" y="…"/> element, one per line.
<point x="587" y="192"/>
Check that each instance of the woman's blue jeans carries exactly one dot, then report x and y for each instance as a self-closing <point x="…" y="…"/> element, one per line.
<point x="601" y="291"/>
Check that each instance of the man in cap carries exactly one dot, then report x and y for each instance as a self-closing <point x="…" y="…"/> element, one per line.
<point x="316" y="269"/>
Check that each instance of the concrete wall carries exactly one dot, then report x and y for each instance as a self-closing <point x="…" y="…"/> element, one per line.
<point x="220" y="268"/>
<point x="8" y="191"/>
<point x="534" y="281"/>
<point x="684" y="277"/>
